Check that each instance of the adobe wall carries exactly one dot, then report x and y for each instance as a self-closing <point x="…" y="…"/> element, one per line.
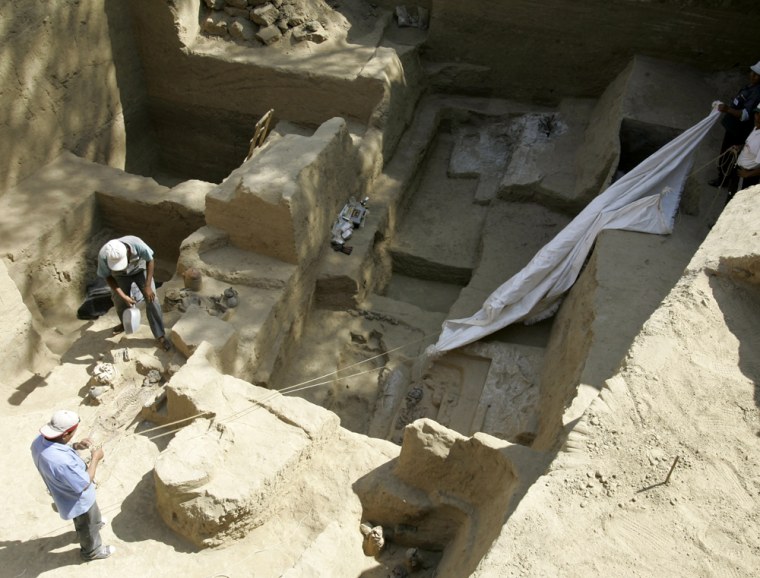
<point x="543" y="51"/>
<point x="19" y="340"/>
<point x="71" y="80"/>
<point x="206" y="96"/>
<point x="283" y="201"/>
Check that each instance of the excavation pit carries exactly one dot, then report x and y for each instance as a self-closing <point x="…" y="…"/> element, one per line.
<point x="491" y="387"/>
<point x="312" y="396"/>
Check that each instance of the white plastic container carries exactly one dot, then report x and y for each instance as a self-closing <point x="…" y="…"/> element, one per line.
<point x="131" y="319"/>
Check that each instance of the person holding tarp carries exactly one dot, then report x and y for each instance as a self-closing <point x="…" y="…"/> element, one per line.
<point x="738" y="123"/>
<point x="746" y="171"/>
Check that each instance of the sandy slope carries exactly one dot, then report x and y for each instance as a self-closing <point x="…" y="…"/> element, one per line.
<point x="688" y="390"/>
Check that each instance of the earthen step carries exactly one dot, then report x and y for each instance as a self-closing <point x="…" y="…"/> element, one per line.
<point x="223" y="475"/>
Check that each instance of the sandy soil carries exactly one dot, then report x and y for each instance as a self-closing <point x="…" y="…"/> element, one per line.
<point x="685" y="399"/>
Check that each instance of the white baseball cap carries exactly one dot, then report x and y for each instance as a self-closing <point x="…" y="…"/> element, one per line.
<point x="116" y="255"/>
<point x="63" y="421"/>
<point x="755" y="68"/>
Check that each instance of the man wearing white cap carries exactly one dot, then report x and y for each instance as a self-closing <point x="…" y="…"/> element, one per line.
<point x="738" y="121"/>
<point x="70" y="481"/>
<point x="128" y="260"/>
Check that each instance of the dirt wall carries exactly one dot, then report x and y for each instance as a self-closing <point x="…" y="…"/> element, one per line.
<point x="71" y="80"/>
<point x="542" y="51"/>
<point x="75" y="74"/>
<point x="206" y="96"/>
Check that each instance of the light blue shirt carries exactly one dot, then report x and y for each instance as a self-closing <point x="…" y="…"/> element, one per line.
<point x="65" y="475"/>
<point x="140" y="254"/>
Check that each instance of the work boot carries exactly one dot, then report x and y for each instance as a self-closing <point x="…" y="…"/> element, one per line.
<point x="104" y="552"/>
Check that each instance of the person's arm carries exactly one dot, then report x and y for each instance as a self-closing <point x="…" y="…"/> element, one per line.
<point x="95" y="457"/>
<point x="738" y="113"/>
<point x="145" y="253"/>
<point x="746" y="173"/>
<point x="116" y="289"/>
<point x="149" y="293"/>
<point x="741" y="114"/>
<point x="750" y="163"/>
<point x="728" y="110"/>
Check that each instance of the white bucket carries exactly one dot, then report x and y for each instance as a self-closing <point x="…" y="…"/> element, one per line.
<point x="131" y="319"/>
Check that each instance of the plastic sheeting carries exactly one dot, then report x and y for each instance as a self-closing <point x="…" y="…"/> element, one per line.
<point x="645" y="200"/>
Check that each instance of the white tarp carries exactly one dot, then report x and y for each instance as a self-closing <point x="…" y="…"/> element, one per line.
<point x="645" y="200"/>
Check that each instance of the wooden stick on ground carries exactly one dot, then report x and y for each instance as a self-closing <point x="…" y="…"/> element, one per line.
<point x="673" y="467"/>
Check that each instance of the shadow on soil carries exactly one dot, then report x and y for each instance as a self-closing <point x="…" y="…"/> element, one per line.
<point x="139" y="520"/>
<point x="740" y="303"/>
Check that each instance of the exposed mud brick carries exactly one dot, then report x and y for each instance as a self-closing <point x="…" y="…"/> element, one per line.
<point x="286" y="217"/>
<point x="236" y="12"/>
<point x="265" y="15"/>
<point x="242" y="30"/>
<point x="269" y="35"/>
<point x="312" y="31"/>
<point x="292" y="15"/>
<point x="215" y="24"/>
<point x="219" y="479"/>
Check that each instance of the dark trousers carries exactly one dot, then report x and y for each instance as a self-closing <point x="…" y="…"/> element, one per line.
<point x="726" y="160"/>
<point x="152" y="308"/>
<point x="88" y="527"/>
<point x="733" y="183"/>
<point x="736" y="132"/>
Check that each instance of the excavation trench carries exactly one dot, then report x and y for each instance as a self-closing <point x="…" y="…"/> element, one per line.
<point x="458" y="235"/>
<point x="468" y="191"/>
<point x="437" y="252"/>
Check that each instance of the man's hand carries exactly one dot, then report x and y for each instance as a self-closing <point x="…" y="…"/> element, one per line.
<point x="737" y="113"/>
<point x="127" y="299"/>
<point x="82" y="444"/>
<point x="95" y="457"/>
<point x="150" y="295"/>
<point x="744" y="173"/>
<point x="116" y="289"/>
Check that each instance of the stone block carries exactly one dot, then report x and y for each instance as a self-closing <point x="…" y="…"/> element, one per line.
<point x="292" y="15"/>
<point x="268" y="34"/>
<point x="242" y="29"/>
<point x="215" y="24"/>
<point x="265" y="15"/>
<point x="196" y="326"/>
<point x="220" y="478"/>
<point x="312" y="31"/>
<point x="284" y="200"/>
<point x="235" y="13"/>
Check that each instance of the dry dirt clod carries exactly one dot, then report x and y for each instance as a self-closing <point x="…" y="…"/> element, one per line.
<point x="373" y="539"/>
